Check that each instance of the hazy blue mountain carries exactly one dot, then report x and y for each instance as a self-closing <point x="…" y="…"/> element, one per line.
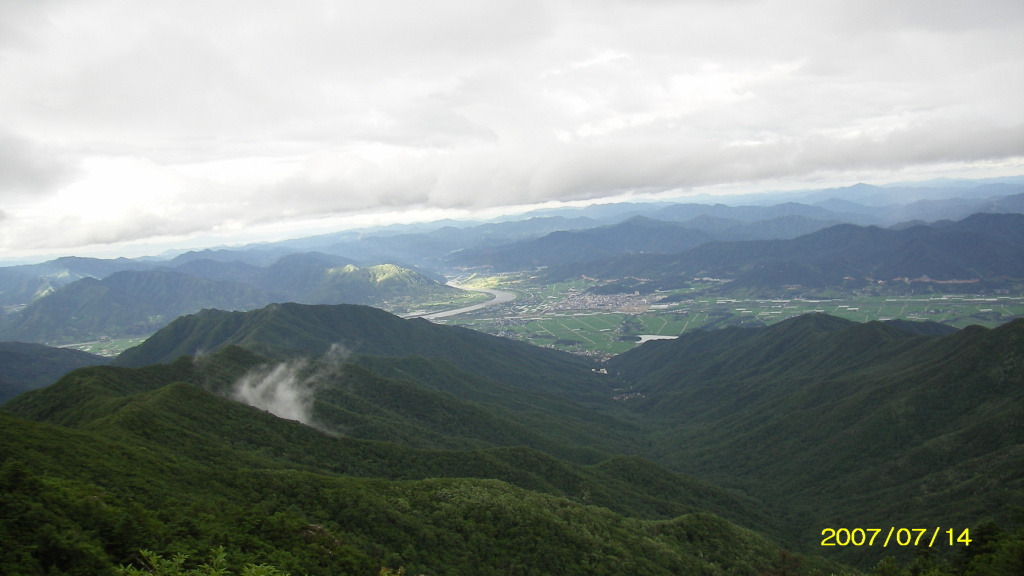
<point x="894" y="196"/>
<point x="432" y="248"/>
<point x="258" y="257"/>
<point x="684" y="212"/>
<point x="137" y="303"/>
<point x="22" y="284"/>
<point x="635" y="235"/>
<point x="929" y="210"/>
<point x="127" y="303"/>
<point x="781" y="227"/>
<point x="296" y="275"/>
<point x="430" y="245"/>
<point x="861" y="204"/>
<point x="981" y="247"/>
<point x="231" y="270"/>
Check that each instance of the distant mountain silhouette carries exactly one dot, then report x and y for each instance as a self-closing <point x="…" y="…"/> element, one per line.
<point x="127" y="303"/>
<point x="983" y="246"/>
<point x="132" y="303"/>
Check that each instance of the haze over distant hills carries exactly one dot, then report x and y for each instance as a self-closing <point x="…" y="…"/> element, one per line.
<point x="833" y="242"/>
<point x="426" y="242"/>
<point x="138" y="302"/>
<point x="753" y="217"/>
<point x="980" y="248"/>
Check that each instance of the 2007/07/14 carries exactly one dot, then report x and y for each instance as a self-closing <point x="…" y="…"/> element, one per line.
<point x="904" y="536"/>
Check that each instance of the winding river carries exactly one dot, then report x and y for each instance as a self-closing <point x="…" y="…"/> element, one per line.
<point x="500" y="297"/>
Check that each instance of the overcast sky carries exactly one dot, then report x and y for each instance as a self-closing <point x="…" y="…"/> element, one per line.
<point x="125" y="121"/>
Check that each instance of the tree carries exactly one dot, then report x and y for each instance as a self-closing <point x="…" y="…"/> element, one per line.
<point x="156" y="565"/>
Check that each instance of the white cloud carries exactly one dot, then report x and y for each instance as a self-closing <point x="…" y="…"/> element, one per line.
<point x="280" y="390"/>
<point x="121" y="121"/>
<point x="288" y="389"/>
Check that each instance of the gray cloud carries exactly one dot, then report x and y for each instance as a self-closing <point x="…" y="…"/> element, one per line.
<point x="234" y="114"/>
<point x="28" y="168"/>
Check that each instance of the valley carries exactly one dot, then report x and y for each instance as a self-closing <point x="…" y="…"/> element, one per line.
<point x="107" y="347"/>
<point x="571" y="316"/>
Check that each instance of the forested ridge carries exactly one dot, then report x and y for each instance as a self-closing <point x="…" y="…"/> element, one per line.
<point x="140" y="464"/>
<point x="437" y="450"/>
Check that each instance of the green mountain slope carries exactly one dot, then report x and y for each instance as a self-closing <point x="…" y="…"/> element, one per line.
<point x="810" y="423"/>
<point x="421" y="402"/>
<point x="285" y="330"/>
<point x="351" y="405"/>
<point x="840" y="423"/>
<point x="383" y="284"/>
<point x="85" y="513"/>
<point x="25" y="366"/>
<point x="593" y="434"/>
<point x="126" y="460"/>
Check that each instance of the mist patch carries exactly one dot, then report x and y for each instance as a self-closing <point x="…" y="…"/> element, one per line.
<point x="288" y="389"/>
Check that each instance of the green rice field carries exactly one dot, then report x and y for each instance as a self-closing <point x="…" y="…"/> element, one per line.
<point x="565" y="316"/>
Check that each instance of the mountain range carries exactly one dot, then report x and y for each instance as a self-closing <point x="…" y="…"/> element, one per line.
<point x="980" y="248"/>
<point x="639" y="254"/>
<point x="120" y="430"/>
<point x="278" y="415"/>
<point x="434" y="246"/>
<point x="896" y="391"/>
<point x="808" y="423"/>
<point x="131" y="303"/>
<point x="344" y="267"/>
<point x="541" y="238"/>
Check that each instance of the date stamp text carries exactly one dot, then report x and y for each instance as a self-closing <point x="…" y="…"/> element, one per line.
<point x="895" y="537"/>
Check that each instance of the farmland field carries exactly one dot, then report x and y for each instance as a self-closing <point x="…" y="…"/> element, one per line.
<point x="568" y="317"/>
<point x="108" y="347"/>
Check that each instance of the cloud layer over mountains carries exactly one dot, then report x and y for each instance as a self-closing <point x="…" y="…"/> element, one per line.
<point x="130" y="121"/>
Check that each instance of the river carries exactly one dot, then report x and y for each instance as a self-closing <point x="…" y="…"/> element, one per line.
<point x="500" y="297"/>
